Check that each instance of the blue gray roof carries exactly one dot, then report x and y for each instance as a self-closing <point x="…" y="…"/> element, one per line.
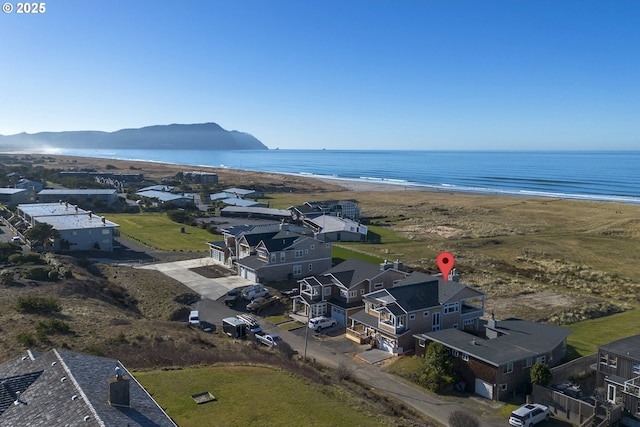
<point x="354" y="271"/>
<point x="70" y="389"/>
<point x="521" y="339"/>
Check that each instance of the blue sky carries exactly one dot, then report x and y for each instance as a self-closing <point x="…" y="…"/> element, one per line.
<point x="357" y="74"/>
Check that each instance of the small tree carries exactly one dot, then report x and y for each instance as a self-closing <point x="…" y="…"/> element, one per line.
<point x="540" y="374"/>
<point x="437" y="370"/>
<point x="42" y="233"/>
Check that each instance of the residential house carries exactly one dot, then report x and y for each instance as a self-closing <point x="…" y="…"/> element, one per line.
<point x="199" y="177"/>
<point x="340" y="208"/>
<point x="239" y="197"/>
<point x="159" y="195"/>
<point x="418" y="303"/>
<point x="84" y="197"/>
<point x="256" y="210"/>
<point x="618" y="373"/>
<point x="336" y="229"/>
<point x="496" y="364"/>
<point x="34" y="186"/>
<point x="338" y="292"/>
<point x="79" y="230"/>
<point x="282" y="256"/>
<point x="226" y="251"/>
<point x="63" y="388"/>
<point x="12" y="197"/>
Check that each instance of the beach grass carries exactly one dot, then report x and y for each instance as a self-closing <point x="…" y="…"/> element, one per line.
<point x="251" y="395"/>
<point x="157" y="231"/>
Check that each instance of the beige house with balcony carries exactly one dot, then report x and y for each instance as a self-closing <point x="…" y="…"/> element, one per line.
<point x="419" y="303"/>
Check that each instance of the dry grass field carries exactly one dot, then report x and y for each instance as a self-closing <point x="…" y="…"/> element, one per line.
<point x="542" y="259"/>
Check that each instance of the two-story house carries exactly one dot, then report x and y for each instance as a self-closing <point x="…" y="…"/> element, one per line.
<point x="338" y="292"/>
<point x="418" y="303"/>
<point x="227" y="251"/>
<point x="498" y="362"/>
<point x="282" y="256"/>
<point x="618" y="372"/>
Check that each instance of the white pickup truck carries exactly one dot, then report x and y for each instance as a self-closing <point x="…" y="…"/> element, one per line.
<point x="270" y="340"/>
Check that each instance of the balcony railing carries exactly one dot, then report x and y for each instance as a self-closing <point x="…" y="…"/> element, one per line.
<point x="632" y="386"/>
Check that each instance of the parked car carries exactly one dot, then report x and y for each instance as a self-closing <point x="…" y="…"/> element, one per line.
<point x="529" y="415"/>
<point x="270" y="340"/>
<point x="321" y="322"/>
<point x="260" y="303"/>
<point x="232" y="296"/>
<point x="194" y="318"/>
<point x="290" y="292"/>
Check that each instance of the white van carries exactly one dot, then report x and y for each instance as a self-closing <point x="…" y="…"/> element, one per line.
<point x="194" y="318"/>
<point x="254" y="291"/>
<point x="16" y="239"/>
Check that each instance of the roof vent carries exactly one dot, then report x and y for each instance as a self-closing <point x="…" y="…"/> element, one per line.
<point x="63" y="379"/>
<point x="87" y="418"/>
<point x="74" y="397"/>
<point x="54" y="363"/>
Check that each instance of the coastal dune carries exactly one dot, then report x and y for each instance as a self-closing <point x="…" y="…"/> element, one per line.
<point x="536" y="258"/>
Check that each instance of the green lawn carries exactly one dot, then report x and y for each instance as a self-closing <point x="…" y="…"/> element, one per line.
<point x="250" y="396"/>
<point x="587" y="335"/>
<point x="156" y="230"/>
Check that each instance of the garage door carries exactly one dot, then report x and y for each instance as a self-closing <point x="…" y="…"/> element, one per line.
<point x="387" y="345"/>
<point x="338" y="315"/>
<point x="484" y="389"/>
<point x="247" y="274"/>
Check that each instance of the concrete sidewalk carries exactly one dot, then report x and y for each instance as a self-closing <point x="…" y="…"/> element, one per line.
<point x="206" y="287"/>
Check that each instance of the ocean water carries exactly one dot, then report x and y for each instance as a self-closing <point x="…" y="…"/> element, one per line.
<point x="588" y="175"/>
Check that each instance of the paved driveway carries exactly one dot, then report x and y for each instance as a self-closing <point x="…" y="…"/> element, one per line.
<point x="206" y="287"/>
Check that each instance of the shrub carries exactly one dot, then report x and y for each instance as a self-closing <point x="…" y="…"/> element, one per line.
<point x="459" y="418"/>
<point x="436" y="371"/>
<point x="37" y="273"/>
<point x="26" y="339"/>
<point x="38" y="305"/>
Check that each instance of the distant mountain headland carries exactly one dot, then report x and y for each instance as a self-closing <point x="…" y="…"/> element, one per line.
<point x="204" y="136"/>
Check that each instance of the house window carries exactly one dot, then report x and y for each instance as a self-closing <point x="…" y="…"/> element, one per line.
<point x="455" y="353"/>
<point x="636" y="368"/>
<point x="412" y="317"/>
<point x="455" y="326"/>
<point x="297" y="270"/>
<point x="327" y="291"/>
<point x="299" y="253"/>
<point x="503" y="387"/>
<point x="425" y="314"/>
<point x="541" y="359"/>
<point x="310" y="267"/>
<point x="306" y="251"/>
<point x="283" y="256"/>
<point x="353" y="294"/>
<point x="613" y="361"/>
<point x="343" y="293"/>
<point x="465" y="357"/>
<point x="604" y="358"/>
<point x="378" y="285"/>
<point x="312" y="247"/>
<point x="467" y="322"/>
<point x="273" y="257"/>
<point x="508" y="368"/>
<point x="362" y="291"/>
<point x="451" y="308"/>
<point x="421" y="343"/>
<point x="527" y="362"/>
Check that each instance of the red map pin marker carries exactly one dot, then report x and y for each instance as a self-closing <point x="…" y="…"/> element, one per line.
<point x="445" y="264"/>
